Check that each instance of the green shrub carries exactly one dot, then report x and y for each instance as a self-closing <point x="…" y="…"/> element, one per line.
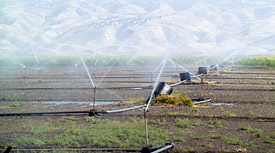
<point x="197" y="122"/>
<point x="226" y="113"/>
<point x="215" y="136"/>
<point x="174" y="99"/>
<point x="217" y="124"/>
<point x="17" y="104"/>
<point x="232" y="140"/>
<point x="243" y="127"/>
<point x="183" y="123"/>
<point x="257" y="132"/>
<point x="270" y="139"/>
<point x="173" y="113"/>
<point x="251" y="145"/>
<point x="161" y="122"/>
<point x="200" y="137"/>
<point x="31" y="140"/>
<point x="178" y="139"/>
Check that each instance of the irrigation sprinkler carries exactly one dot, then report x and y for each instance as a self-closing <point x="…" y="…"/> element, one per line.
<point x="202" y="70"/>
<point x="185" y="76"/>
<point x="162" y="88"/>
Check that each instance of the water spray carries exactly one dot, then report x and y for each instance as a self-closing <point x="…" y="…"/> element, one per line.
<point x="152" y="73"/>
<point x="86" y="69"/>
<point x="173" y="62"/>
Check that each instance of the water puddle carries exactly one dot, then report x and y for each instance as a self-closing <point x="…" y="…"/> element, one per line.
<point x="79" y="102"/>
<point x="136" y="88"/>
<point x="218" y="104"/>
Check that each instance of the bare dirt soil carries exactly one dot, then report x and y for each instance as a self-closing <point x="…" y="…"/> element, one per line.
<point x="239" y="118"/>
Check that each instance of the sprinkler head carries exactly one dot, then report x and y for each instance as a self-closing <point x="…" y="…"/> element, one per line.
<point x="202" y="70"/>
<point x="185" y="76"/>
<point x="163" y="88"/>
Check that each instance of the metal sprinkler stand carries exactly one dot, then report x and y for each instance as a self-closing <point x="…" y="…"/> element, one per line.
<point x="94" y="101"/>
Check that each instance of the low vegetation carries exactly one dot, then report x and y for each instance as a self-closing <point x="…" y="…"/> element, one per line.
<point x="226" y="113"/>
<point x="183" y="123"/>
<point x="173" y="113"/>
<point x="259" y="61"/>
<point x="161" y="122"/>
<point x="217" y="124"/>
<point x="270" y="139"/>
<point x="233" y="140"/>
<point x="200" y="137"/>
<point x="17" y="104"/>
<point x="215" y="136"/>
<point x="74" y="131"/>
<point x="256" y="132"/>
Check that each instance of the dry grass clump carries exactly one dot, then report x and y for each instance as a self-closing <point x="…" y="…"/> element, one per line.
<point x="175" y="99"/>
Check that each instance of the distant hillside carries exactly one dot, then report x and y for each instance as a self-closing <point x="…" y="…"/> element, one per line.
<point x="137" y="27"/>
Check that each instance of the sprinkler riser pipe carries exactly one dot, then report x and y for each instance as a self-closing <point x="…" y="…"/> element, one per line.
<point x="213" y="67"/>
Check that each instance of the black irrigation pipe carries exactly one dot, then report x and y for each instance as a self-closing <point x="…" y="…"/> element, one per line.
<point x="90" y="113"/>
<point x="47" y="113"/>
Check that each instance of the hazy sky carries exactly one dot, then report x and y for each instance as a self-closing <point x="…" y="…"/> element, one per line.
<point x="137" y="27"/>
